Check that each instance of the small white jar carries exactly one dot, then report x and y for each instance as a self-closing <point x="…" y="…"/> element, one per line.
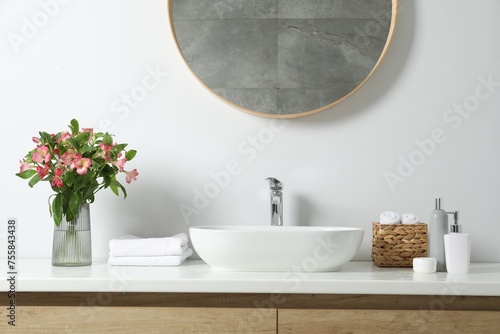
<point x="424" y="265"/>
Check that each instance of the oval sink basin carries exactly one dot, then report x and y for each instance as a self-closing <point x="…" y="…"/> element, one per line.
<point x="276" y="248"/>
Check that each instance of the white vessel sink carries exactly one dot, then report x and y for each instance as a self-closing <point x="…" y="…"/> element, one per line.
<point x="276" y="248"/>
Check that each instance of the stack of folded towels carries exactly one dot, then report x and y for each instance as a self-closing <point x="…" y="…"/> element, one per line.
<point x="390" y="217"/>
<point x="130" y="250"/>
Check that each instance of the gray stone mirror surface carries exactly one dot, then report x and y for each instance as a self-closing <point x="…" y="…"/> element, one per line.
<point x="282" y="58"/>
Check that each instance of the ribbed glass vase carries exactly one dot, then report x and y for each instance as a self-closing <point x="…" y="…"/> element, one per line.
<point x="72" y="245"/>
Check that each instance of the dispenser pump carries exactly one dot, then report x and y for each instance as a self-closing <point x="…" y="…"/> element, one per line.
<point x="455" y="228"/>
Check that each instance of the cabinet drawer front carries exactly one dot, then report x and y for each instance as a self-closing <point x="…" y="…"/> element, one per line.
<point x="387" y="321"/>
<point x="88" y="319"/>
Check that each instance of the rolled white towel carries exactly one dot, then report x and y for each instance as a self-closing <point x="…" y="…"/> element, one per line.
<point x="409" y="218"/>
<point x="130" y="245"/>
<point x="390" y="217"/>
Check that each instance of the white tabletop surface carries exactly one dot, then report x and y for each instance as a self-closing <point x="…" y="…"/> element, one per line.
<point x="196" y="276"/>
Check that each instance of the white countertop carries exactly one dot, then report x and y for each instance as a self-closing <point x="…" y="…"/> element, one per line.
<point x="196" y="276"/>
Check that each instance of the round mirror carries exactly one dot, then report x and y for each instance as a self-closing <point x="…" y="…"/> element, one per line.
<point x="282" y="58"/>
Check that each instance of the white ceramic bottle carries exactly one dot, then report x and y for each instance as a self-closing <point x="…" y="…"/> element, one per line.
<point x="457" y="247"/>
<point x="438" y="227"/>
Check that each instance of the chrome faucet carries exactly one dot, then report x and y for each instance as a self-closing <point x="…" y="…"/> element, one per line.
<point x="276" y="201"/>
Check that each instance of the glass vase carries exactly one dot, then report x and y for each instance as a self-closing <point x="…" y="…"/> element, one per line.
<point x="72" y="241"/>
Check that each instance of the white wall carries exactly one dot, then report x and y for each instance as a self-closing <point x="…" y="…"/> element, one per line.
<point x="79" y="62"/>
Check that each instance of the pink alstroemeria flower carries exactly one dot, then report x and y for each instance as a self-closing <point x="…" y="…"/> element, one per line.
<point x="81" y="165"/>
<point x="42" y="171"/>
<point x="41" y="155"/>
<point x="56" y="179"/>
<point x="120" y="163"/>
<point x="64" y="136"/>
<point x="105" y="149"/>
<point x="131" y="176"/>
<point x="36" y="140"/>
<point x="59" y="171"/>
<point x="68" y="157"/>
<point x="91" y="131"/>
<point x="24" y="166"/>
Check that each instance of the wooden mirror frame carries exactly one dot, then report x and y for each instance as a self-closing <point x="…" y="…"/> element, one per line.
<point x="394" y="10"/>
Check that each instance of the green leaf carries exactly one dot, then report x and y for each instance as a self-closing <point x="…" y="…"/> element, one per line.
<point x="98" y="162"/>
<point x="82" y="137"/>
<point x="106" y="181"/>
<point x="81" y="181"/>
<point x="107" y="139"/>
<point x="34" y="180"/>
<point x="73" y="143"/>
<point x="57" y="209"/>
<point x="115" y="185"/>
<point x="119" y="147"/>
<point x="69" y="216"/>
<point x="74" y="203"/>
<point x="87" y="149"/>
<point x="45" y="137"/>
<point x="114" y="189"/>
<point x="88" y="190"/>
<point x="26" y="174"/>
<point x="57" y="136"/>
<point x="130" y="154"/>
<point x="74" y="126"/>
<point x="108" y="170"/>
<point x="69" y="178"/>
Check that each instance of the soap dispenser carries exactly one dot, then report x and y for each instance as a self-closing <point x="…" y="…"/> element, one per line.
<point x="457" y="247"/>
<point x="438" y="227"/>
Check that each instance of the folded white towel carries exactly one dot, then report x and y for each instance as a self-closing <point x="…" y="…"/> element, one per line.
<point x="409" y="218"/>
<point x="150" y="261"/>
<point x="130" y="245"/>
<point x="390" y="217"/>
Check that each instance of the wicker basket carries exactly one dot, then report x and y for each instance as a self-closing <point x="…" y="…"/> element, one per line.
<point x="396" y="245"/>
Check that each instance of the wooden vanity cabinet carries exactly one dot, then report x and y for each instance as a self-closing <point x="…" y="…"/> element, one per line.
<point x="105" y="312"/>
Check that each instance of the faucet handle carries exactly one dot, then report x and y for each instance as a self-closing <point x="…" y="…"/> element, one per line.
<point x="274" y="183"/>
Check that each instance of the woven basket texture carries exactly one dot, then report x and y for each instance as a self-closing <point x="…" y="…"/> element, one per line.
<point x="396" y="245"/>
